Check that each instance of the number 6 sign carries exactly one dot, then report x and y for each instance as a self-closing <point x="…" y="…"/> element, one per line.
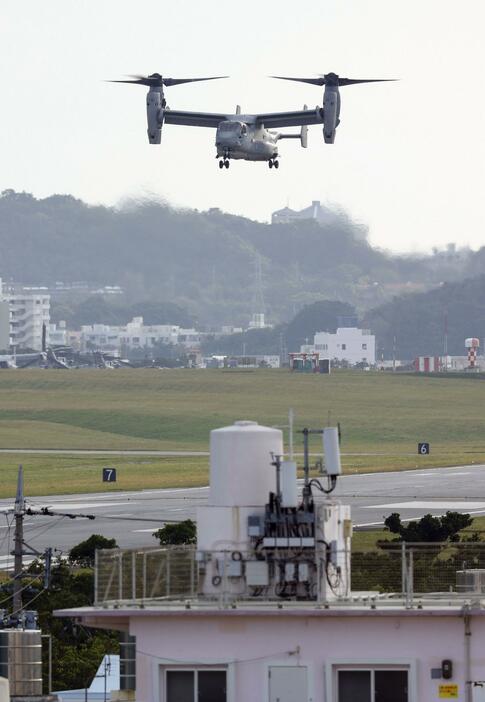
<point x="423" y="449"/>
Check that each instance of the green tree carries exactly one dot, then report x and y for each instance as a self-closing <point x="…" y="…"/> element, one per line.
<point x="83" y="553"/>
<point x="177" y="534"/>
<point x="429" y="528"/>
<point x="76" y="650"/>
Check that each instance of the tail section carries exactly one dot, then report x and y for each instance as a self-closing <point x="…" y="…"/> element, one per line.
<point x="304" y="133"/>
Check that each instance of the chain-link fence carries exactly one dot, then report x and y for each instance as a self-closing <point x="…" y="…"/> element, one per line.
<point x="455" y="569"/>
<point x="396" y="570"/>
<point x="145" y="574"/>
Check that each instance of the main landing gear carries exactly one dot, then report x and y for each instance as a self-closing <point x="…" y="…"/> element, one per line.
<point x="273" y="162"/>
<point x="224" y="162"/>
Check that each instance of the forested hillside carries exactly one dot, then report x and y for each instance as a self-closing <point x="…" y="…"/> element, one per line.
<point x="205" y="262"/>
<point x="418" y="321"/>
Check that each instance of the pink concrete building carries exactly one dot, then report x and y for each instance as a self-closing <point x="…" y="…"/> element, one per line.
<point x="262" y="609"/>
<point x="302" y="653"/>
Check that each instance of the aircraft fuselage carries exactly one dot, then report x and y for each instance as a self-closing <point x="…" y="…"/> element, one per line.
<point x="251" y="142"/>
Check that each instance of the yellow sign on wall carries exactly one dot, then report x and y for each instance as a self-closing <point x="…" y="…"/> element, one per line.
<point x="449" y="692"/>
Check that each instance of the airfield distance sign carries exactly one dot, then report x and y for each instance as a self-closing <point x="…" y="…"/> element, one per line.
<point x="109" y="475"/>
<point x="423" y="449"/>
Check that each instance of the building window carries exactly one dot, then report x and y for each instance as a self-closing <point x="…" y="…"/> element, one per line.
<point x="195" y="685"/>
<point x="364" y="347"/>
<point x="374" y="685"/>
<point x="344" y="347"/>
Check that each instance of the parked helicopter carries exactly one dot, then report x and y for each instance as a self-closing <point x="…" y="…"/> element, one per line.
<point x="252" y="137"/>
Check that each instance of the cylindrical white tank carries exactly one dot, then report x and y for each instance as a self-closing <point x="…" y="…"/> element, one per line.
<point x="241" y="473"/>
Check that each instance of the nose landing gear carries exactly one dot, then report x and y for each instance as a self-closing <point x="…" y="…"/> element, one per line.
<point x="273" y="162"/>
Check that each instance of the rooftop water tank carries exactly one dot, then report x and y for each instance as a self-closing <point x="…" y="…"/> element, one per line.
<point x="21" y="661"/>
<point x="4" y="690"/>
<point x="241" y="473"/>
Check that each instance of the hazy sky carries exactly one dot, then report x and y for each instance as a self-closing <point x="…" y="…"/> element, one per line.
<point x="408" y="159"/>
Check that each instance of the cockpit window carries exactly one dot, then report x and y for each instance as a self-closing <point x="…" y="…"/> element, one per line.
<point x="234" y="127"/>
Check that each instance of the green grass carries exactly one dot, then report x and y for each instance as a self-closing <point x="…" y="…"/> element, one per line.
<point x="51" y="475"/>
<point x="381" y="414"/>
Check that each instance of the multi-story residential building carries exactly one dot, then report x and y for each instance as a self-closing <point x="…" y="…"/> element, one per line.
<point x="23" y="314"/>
<point x="29" y="312"/>
<point x="190" y="338"/>
<point x="4" y="325"/>
<point x="348" y="344"/>
<point x="57" y="334"/>
<point x="136" y="335"/>
<point x="4" y="321"/>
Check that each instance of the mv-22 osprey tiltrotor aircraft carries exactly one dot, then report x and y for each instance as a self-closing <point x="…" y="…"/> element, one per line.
<point x="251" y="137"/>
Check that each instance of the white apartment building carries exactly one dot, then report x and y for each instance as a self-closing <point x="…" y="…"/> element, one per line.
<point x="4" y="325"/>
<point x="135" y="335"/>
<point x="58" y="334"/>
<point x="24" y="313"/>
<point x="28" y="314"/>
<point x="348" y="344"/>
<point x="258" y="321"/>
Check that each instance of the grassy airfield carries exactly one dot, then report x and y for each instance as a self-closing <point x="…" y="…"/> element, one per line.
<point x="382" y="415"/>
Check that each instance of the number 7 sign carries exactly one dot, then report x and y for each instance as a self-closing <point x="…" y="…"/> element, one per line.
<point x="109" y="475"/>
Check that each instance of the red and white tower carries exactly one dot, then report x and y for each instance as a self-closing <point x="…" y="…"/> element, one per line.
<point x="472" y="345"/>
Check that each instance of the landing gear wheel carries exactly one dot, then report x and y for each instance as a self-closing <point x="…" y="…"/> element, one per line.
<point x="221" y="164"/>
<point x="270" y="164"/>
<point x="276" y="164"/>
<point x="226" y="163"/>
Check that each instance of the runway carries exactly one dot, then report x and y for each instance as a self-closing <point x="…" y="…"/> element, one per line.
<point x="131" y="517"/>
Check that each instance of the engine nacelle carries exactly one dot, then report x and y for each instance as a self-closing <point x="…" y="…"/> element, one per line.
<point x="155" y="114"/>
<point x="331" y="112"/>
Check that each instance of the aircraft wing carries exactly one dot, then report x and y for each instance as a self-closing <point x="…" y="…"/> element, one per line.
<point x="193" y="119"/>
<point x="291" y="119"/>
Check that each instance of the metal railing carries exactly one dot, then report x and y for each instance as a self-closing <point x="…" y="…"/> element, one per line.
<point x="404" y="572"/>
<point x="145" y="574"/>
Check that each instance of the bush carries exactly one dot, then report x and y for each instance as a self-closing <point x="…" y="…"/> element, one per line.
<point x="83" y="553"/>
<point x="177" y="534"/>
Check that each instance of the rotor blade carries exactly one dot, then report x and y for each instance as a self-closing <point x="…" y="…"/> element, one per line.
<point x="334" y="79"/>
<point x="149" y="82"/>
<point x="179" y="81"/>
<point x="156" y="80"/>
<point x="355" y="81"/>
<point x="312" y="81"/>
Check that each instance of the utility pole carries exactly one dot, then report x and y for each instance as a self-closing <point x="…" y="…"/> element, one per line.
<point x="19" y="512"/>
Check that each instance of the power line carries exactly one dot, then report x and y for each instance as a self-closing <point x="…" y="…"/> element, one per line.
<point x="28" y="603"/>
